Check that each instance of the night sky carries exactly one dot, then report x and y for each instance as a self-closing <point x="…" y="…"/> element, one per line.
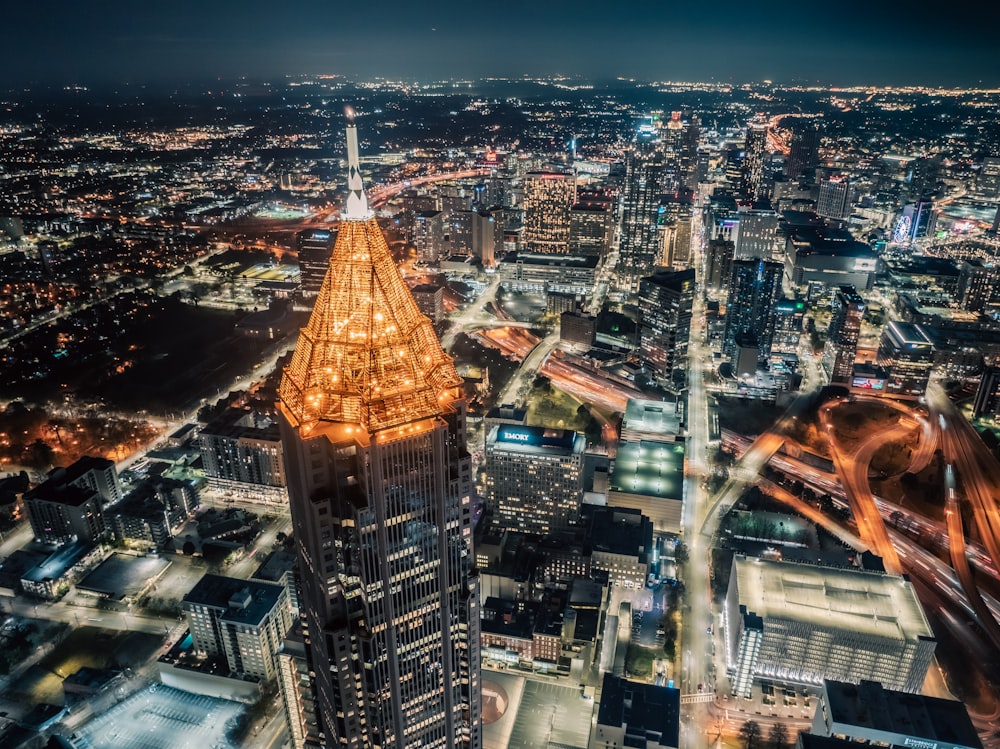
<point x="878" y="41"/>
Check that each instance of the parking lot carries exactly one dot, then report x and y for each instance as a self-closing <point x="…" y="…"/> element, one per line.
<point x="159" y="717"/>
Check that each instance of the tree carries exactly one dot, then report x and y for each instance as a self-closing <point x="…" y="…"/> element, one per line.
<point x="681" y="552"/>
<point x="778" y="736"/>
<point x="750" y="734"/>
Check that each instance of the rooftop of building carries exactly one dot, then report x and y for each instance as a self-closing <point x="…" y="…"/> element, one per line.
<point x="509" y="618"/>
<point x="244" y="601"/>
<point x="56" y="491"/>
<point x="866" y="603"/>
<point x="538" y="440"/>
<point x="652" y="417"/>
<point x="675" y="280"/>
<point x="648" y="468"/>
<point x="82" y="466"/>
<point x="427" y="288"/>
<point x="824" y="240"/>
<point x="869" y="705"/>
<point x="59" y="562"/>
<point x="623" y="531"/>
<point x="908" y="334"/>
<point x="538" y="258"/>
<point x="236" y="423"/>
<point x="643" y="708"/>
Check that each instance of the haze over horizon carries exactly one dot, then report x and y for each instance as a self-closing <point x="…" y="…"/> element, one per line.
<point x="888" y="43"/>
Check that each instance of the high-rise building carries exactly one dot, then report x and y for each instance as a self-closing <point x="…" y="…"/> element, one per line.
<point x="639" y="247"/>
<point x="314" y="247"/>
<point x="242" y="621"/>
<point x="591" y="225"/>
<point x="754" y="288"/>
<point x="803" y="151"/>
<point x="988" y="183"/>
<point x="534" y="477"/>
<point x="548" y="197"/>
<point x="241" y="452"/>
<point x="908" y="354"/>
<point x="674" y="222"/>
<point x="758" y="235"/>
<point x="977" y="285"/>
<point x="374" y="430"/>
<point x="835" y="198"/>
<point x="987" y="402"/>
<point x="428" y="235"/>
<point x="665" y="302"/>
<point x="719" y="263"/>
<point x="60" y="512"/>
<point x="753" y="186"/>
<point x="842" y="339"/>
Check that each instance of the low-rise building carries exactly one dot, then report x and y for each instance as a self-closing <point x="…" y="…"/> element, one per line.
<point x="803" y="624"/>
<point x="869" y="714"/>
<point x="633" y="714"/>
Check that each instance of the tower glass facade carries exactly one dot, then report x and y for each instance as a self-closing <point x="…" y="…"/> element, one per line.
<point x="373" y="428"/>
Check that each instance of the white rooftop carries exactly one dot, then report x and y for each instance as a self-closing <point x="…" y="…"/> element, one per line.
<point x="868" y="603"/>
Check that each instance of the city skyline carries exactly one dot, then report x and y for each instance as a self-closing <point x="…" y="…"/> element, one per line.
<point x="882" y="43"/>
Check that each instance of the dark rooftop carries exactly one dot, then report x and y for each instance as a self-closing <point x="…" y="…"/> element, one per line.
<point x="869" y="705"/>
<point x="245" y="601"/>
<point x="642" y="708"/>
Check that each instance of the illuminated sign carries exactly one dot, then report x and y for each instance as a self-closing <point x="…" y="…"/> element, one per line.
<point x="869" y="383"/>
<point x="517" y="436"/>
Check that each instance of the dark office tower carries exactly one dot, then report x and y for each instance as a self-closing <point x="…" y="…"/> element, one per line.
<point x="548" y="196"/>
<point x="977" y="285"/>
<point x="754" y="288"/>
<point x="803" y="151"/>
<point x="379" y="477"/>
<point x="842" y="339"/>
<point x="665" y="302"/>
<point x="752" y="183"/>
<point x="639" y="247"/>
<point x="922" y="177"/>
<point x="908" y="354"/>
<point x="719" y="263"/>
<point x="835" y="198"/>
<point x="591" y="225"/>
<point x="689" y="153"/>
<point x="314" y="247"/>
<point x="987" y="403"/>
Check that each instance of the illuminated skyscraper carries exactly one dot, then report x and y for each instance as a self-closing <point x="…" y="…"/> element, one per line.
<point x="379" y="478"/>
<point x="548" y="197"/>
<point x="803" y="153"/>
<point x="752" y="186"/>
<point x="665" y="303"/>
<point x="640" y="247"/>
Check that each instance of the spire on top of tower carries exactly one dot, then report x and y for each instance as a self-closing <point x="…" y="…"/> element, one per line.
<point x="356" y="207"/>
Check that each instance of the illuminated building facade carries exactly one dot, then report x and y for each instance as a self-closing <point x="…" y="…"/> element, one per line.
<point x="548" y="197"/>
<point x="801" y="623"/>
<point x="665" y="303"/>
<point x="534" y="477"/>
<point x="373" y="423"/>
<point x="908" y="355"/>
<point x="314" y="247"/>
<point x="834" y="198"/>
<point x="640" y="245"/>
<point x="753" y="187"/>
<point x="845" y="329"/>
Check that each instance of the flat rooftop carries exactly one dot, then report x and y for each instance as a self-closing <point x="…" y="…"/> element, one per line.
<point x="538" y="258"/>
<point x="651" y="469"/>
<point x="868" y="603"/>
<point x="869" y="705"/>
<point x="245" y="601"/>
<point x="651" y="417"/>
<point x="540" y="440"/>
